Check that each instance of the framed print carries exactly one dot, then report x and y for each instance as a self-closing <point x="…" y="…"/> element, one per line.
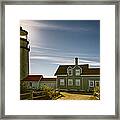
<point x="60" y="60"/>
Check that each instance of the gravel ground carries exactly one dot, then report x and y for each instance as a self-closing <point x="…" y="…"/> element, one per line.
<point x="73" y="96"/>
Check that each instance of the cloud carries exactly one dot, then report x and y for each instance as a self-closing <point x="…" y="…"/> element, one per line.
<point x="56" y="56"/>
<point x="63" y="60"/>
<point x="34" y="46"/>
<point x="48" y="51"/>
<point x="49" y="26"/>
<point x="51" y="59"/>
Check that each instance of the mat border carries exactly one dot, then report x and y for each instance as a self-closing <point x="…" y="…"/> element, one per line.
<point x="55" y="2"/>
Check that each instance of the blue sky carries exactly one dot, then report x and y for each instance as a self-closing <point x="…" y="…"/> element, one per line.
<point x="57" y="42"/>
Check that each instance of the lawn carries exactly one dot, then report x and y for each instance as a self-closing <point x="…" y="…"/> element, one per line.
<point x="75" y="96"/>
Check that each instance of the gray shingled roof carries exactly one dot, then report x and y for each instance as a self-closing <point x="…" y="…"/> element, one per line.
<point x="62" y="70"/>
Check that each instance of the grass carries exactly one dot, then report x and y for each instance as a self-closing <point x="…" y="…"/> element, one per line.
<point x="75" y="96"/>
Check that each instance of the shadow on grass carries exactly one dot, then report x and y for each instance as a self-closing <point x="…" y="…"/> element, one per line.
<point x="80" y="92"/>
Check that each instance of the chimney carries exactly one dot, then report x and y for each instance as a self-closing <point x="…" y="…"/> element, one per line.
<point x="76" y="61"/>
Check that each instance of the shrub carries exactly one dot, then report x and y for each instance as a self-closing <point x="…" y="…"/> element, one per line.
<point x="50" y="92"/>
<point x="23" y="87"/>
<point x="97" y="92"/>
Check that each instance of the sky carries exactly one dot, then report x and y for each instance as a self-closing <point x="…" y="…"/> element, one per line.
<point x="58" y="42"/>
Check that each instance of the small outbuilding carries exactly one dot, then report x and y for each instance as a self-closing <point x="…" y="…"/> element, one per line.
<point x="32" y="81"/>
<point x="50" y="82"/>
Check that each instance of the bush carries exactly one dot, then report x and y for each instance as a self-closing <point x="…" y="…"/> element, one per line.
<point x="97" y="92"/>
<point x="23" y="87"/>
<point x="49" y="92"/>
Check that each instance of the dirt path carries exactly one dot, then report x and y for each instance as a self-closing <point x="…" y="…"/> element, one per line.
<point x="71" y="96"/>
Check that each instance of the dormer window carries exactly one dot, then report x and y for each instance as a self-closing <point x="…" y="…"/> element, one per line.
<point x="70" y="71"/>
<point x="77" y="72"/>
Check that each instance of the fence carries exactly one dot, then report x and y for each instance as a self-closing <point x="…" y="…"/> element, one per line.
<point x="41" y="95"/>
<point x="26" y="96"/>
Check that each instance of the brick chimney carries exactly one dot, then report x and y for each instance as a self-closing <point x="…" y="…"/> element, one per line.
<point x="76" y="61"/>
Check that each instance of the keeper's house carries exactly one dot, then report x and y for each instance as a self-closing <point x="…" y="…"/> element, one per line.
<point x="77" y="77"/>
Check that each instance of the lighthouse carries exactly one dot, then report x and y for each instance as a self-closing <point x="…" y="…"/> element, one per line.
<point x="24" y="54"/>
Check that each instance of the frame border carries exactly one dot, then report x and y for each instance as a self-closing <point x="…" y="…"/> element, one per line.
<point x="61" y="2"/>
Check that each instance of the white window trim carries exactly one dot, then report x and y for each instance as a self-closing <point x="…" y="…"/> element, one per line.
<point x="71" y="72"/>
<point x="79" y="82"/>
<point x="68" y="69"/>
<point x="63" y="82"/>
<point x="79" y="72"/>
<point x="79" y="68"/>
<point x="90" y="82"/>
<point x="70" y="84"/>
<point x="96" y="83"/>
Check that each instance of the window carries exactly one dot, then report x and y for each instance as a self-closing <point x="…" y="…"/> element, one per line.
<point x="91" y="83"/>
<point x="77" y="72"/>
<point x="62" y="82"/>
<point x="70" y="82"/>
<point x="70" y="72"/>
<point x="97" y="83"/>
<point x="30" y="84"/>
<point x="77" y="82"/>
